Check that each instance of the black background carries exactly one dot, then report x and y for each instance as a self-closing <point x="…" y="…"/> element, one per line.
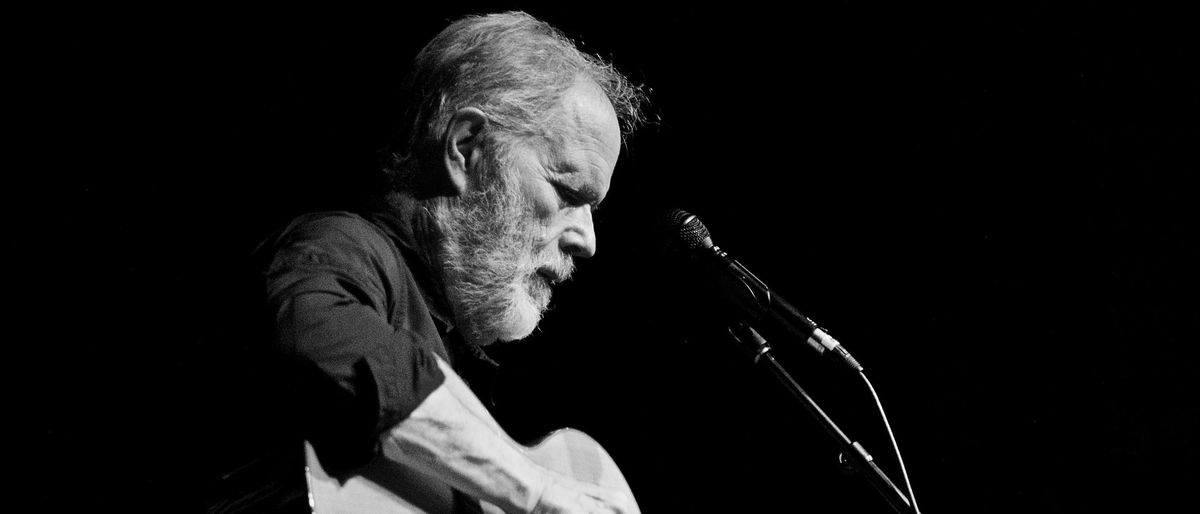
<point x="991" y="206"/>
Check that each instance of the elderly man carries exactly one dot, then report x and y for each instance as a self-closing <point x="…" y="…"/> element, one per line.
<point x="513" y="138"/>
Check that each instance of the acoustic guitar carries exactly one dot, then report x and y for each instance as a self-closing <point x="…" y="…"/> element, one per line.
<point x="389" y="487"/>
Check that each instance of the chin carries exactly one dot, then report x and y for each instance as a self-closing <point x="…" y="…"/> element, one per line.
<point x="519" y="324"/>
<point x="525" y="311"/>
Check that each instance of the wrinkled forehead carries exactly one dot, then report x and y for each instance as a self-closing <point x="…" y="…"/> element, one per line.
<point x="588" y="136"/>
<point x="586" y="107"/>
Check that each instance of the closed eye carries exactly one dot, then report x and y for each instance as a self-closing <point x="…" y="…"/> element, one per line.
<point x="578" y="197"/>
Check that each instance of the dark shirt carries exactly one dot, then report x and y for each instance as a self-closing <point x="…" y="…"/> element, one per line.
<point x="343" y="298"/>
<point x="353" y="314"/>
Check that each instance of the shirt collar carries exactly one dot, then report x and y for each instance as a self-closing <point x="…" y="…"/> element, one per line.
<point x="398" y="225"/>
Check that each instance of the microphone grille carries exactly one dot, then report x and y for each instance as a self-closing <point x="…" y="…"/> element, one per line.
<point x="691" y="232"/>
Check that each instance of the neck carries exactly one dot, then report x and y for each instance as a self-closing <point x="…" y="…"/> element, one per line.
<point x="415" y="213"/>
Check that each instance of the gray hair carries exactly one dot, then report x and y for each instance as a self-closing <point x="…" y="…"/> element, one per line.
<point x="511" y="66"/>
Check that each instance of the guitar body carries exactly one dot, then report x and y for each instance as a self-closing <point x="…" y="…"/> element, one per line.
<point x="389" y="487"/>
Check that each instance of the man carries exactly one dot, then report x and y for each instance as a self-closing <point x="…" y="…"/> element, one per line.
<point x="513" y="140"/>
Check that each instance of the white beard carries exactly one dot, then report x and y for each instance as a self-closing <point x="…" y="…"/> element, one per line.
<point x="530" y="293"/>
<point x="490" y="258"/>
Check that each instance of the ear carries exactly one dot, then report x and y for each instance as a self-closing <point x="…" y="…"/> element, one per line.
<point x="463" y="146"/>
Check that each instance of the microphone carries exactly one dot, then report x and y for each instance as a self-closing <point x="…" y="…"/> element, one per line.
<point x="750" y="295"/>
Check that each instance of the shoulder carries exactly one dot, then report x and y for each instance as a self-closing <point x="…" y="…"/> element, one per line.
<point x="336" y="238"/>
<point x="335" y="227"/>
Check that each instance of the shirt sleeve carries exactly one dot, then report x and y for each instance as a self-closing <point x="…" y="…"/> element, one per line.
<point x="357" y="375"/>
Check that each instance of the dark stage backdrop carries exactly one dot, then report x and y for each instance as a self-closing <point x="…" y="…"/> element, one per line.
<point x="993" y="207"/>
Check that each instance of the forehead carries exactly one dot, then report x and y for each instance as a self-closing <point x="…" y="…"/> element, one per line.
<point x="589" y="140"/>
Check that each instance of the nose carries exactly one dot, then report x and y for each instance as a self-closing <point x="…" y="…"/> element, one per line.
<point x="578" y="238"/>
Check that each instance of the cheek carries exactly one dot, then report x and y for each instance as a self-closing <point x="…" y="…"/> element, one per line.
<point x="541" y="209"/>
<point x="542" y="200"/>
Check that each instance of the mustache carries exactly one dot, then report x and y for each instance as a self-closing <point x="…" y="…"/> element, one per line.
<point x="558" y="265"/>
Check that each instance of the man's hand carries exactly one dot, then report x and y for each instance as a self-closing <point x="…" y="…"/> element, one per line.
<point x="569" y="496"/>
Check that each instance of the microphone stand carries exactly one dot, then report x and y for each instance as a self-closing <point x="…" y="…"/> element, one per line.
<point x="853" y="455"/>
